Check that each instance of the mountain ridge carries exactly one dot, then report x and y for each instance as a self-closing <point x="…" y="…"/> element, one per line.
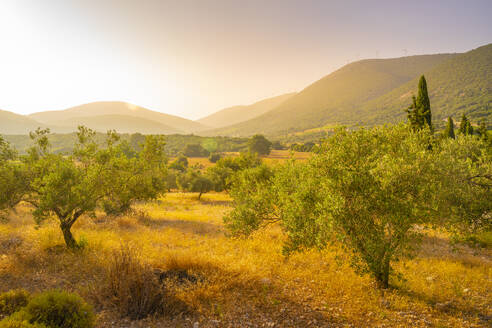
<point x="240" y="113"/>
<point x="101" y="108"/>
<point x="348" y="87"/>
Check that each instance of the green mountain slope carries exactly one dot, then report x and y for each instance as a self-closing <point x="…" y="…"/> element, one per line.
<point x="11" y="123"/>
<point x="460" y="85"/>
<point x="237" y="114"/>
<point x="338" y="96"/>
<point x="118" y="108"/>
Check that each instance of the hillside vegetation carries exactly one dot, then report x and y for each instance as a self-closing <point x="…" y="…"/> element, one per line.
<point x="175" y="143"/>
<point x="336" y="97"/>
<point x="372" y="92"/>
<point x="462" y="84"/>
<point x="237" y="114"/>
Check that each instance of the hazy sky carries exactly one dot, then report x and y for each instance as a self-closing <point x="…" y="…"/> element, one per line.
<point x="191" y="58"/>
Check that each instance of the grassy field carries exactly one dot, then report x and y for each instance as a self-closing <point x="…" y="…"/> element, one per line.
<point x="246" y="282"/>
<point x="275" y="156"/>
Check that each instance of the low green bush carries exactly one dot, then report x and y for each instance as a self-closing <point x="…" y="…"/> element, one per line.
<point x="12" y="301"/>
<point x="10" y="322"/>
<point x="58" y="309"/>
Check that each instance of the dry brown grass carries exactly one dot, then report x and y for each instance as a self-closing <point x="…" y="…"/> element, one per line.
<point x="276" y="156"/>
<point x="247" y="283"/>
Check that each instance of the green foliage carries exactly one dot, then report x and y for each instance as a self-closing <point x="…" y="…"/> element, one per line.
<point x="194" y="181"/>
<point x="419" y="113"/>
<point x="214" y="157"/>
<point x="306" y="147"/>
<point x="482" y="131"/>
<point x="179" y="164"/>
<point x="58" y="309"/>
<point x="133" y="179"/>
<point x="10" y="322"/>
<point x="465" y="184"/>
<point x="449" y="132"/>
<point x="175" y="143"/>
<point x="277" y="145"/>
<point x="171" y="179"/>
<point x="251" y="187"/>
<point x="222" y="172"/>
<point x="260" y="145"/>
<point x="91" y="177"/>
<point x="465" y="126"/>
<point x="6" y="151"/>
<point x="12" y="301"/>
<point x="369" y="189"/>
<point x="195" y="150"/>
<point x="423" y="102"/>
<point x="11" y="177"/>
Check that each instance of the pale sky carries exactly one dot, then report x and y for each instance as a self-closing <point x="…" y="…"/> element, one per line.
<point x="192" y="58"/>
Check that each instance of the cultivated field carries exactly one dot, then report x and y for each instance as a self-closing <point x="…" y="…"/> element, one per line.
<point x="244" y="282"/>
<point x="275" y="156"/>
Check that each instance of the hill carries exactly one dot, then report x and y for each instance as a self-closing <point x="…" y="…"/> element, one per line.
<point x="11" y="123"/>
<point x="120" y="123"/>
<point x="462" y="84"/>
<point x="337" y="97"/>
<point x="104" y="109"/>
<point x="237" y="114"/>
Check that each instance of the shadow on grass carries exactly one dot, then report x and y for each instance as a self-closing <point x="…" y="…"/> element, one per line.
<point x="433" y="247"/>
<point x="195" y="227"/>
<point x="227" y="203"/>
<point x="466" y="312"/>
<point x="231" y="299"/>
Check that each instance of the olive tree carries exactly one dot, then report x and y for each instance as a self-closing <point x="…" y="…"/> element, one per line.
<point x="195" y="181"/>
<point x="67" y="187"/>
<point x="464" y="192"/>
<point x="58" y="186"/>
<point x="259" y="144"/>
<point x="369" y="188"/>
<point x="223" y="171"/>
<point x="12" y="181"/>
<point x="129" y="179"/>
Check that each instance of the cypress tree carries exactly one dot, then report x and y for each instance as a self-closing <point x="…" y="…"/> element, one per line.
<point x="482" y="131"/>
<point x="423" y="103"/>
<point x="412" y="114"/>
<point x="463" y="124"/>
<point x="419" y="112"/>
<point x="469" y="129"/>
<point x="449" y="132"/>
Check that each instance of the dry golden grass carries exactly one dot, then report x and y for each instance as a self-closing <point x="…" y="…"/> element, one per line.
<point x="275" y="156"/>
<point x="247" y="282"/>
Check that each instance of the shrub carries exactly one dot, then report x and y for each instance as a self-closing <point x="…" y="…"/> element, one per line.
<point x="214" y="157"/>
<point x="131" y="287"/>
<point x="259" y="144"/>
<point x="195" y="150"/>
<point x="17" y="323"/>
<point x="12" y="301"/>
<point x="58" y="309"/>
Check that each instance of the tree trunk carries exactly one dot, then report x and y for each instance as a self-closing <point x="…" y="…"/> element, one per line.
<point x="382" y="277"/>
<point x="200" y="195"/>
<point x="67" y="235"/>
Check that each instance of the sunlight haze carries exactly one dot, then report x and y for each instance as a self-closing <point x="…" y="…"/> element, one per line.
<point x="192" y="58"/>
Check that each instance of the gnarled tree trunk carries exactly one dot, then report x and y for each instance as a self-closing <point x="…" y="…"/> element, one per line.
<point x="67" y="235"/>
